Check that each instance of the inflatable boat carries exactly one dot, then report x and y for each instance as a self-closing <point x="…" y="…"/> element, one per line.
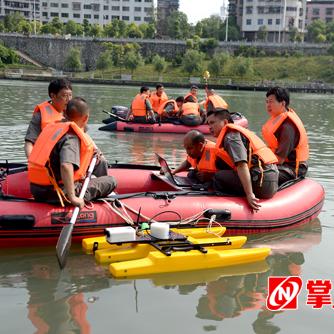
<point x="142" y="195"/>
<point x="116" y="123"/>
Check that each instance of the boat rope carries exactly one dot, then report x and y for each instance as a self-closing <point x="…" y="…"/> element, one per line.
<point x="121" y="209"/>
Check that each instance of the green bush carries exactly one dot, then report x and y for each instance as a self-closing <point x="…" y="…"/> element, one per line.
<point x="72" y="61"/>
<point x="104" y="62"/>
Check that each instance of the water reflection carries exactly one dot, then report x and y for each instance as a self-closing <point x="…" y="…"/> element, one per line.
<point x="229" y="297"/>
<point x="56" y="302"/>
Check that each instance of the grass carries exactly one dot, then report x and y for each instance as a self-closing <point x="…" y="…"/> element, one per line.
<point x="293" y="69"/>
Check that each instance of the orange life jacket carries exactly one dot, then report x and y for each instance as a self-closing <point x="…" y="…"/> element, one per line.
<point x="164" y="104"/>
<point x="48" y="113"/>
<point x="271" y="126"/>
<point x="38" y="171"/>
<point x="256" y="147"/>
<point x="207" y="160"/>
<point x="193" y="96"/>
<point x="156" y="100"/>
<point x="190" y="108"/>
<point x="138" y="105"/>
<point x="217" y="102"/>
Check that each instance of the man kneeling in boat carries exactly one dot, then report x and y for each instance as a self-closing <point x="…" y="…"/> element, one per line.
<point x="141" y="109"/>
<point x="246" y="165"/>
<point x="201" y="153"/>
<point x="60" y="159"/>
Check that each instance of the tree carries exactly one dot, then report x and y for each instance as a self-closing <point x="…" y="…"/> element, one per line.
<point x="86" y="27"/>
<point x="192" y="61"/>
<point x="71" y="28"/>
<point x="111" y="29"/>
<point x="72" y="61"/>
<point x="121" y="28"/>
<point x="2" y="27"/>
<point x="159" y="64"/>
<point x="96" y="30"/>
<point x="243" y="66"/>
<point x="262" y="34"/>
<point x="104" y="62"/>
<point x="293" y="34"/>
<point x="24" y="27"/>
<point x="148" y="30"/>
<point x="208" y="46"/>
<point x="56" y="26"/>
<point x="133" y="31"/>
<point x="316" y="28"/>
<point x="132" y="60"/>
<point x="12" y="21"/>
<point x="79" y="29"/>
<point x="216" y="65"/>
<point x="8" y="56"/>
<point x="199" y="28"/>
<point x="211" y="27"/>
<point x="177" y="25"/>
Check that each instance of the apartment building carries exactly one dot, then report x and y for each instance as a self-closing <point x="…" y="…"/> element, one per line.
<point x="276" y="17"/>
<point x="319" y="10"/>
<point x="164" y="9"/>
<point x="27" y="8"/>
<point x="98" y="11"/>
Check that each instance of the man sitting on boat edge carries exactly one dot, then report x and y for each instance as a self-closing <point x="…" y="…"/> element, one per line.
<point x="141" y="110"/>
<point x="60" y="159"/>
<point x="246" y="166"/>
<point x="285" y="135"/>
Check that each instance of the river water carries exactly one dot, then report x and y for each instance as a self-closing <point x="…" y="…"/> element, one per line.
<point x="36" y="298"/>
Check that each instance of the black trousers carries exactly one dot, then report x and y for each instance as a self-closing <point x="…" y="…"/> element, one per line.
<point x="227" y="181"/>
<point x="99" y="186"/>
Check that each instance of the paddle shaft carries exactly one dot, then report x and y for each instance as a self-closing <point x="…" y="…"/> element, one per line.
<point x="64" y="240"/>
<point x="84" y="189"/>
<point x="115" y="116"/>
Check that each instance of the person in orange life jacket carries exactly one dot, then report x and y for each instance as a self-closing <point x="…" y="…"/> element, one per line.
<point x="246" y="166"/>
<point x="214" y="101"/>
<point x="158" y="97"/>
<point x="60" y="92"/>
<point x="68" y="156"/>
<point x="285" y="134"/>
<point x="141" y="109"/>
<point x="192" y="95"/>
<point x="190" y="114"/>
<point x="200" y="157"/>
<point x="169" y="110"/>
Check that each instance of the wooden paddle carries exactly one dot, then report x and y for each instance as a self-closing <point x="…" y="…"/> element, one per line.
<point x="64" y="240"/>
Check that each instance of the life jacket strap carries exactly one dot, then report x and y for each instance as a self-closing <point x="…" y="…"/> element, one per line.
<point x="61" y="195"/>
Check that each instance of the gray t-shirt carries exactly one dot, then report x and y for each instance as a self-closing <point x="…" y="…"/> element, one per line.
<point x="34" y="128"/>
<point x="235" y="147"/>
<point x="67" y="150"/>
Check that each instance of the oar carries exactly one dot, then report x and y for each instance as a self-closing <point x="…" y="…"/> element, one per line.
<point x="64" y="240"/>
<point x="115" y="116"/>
